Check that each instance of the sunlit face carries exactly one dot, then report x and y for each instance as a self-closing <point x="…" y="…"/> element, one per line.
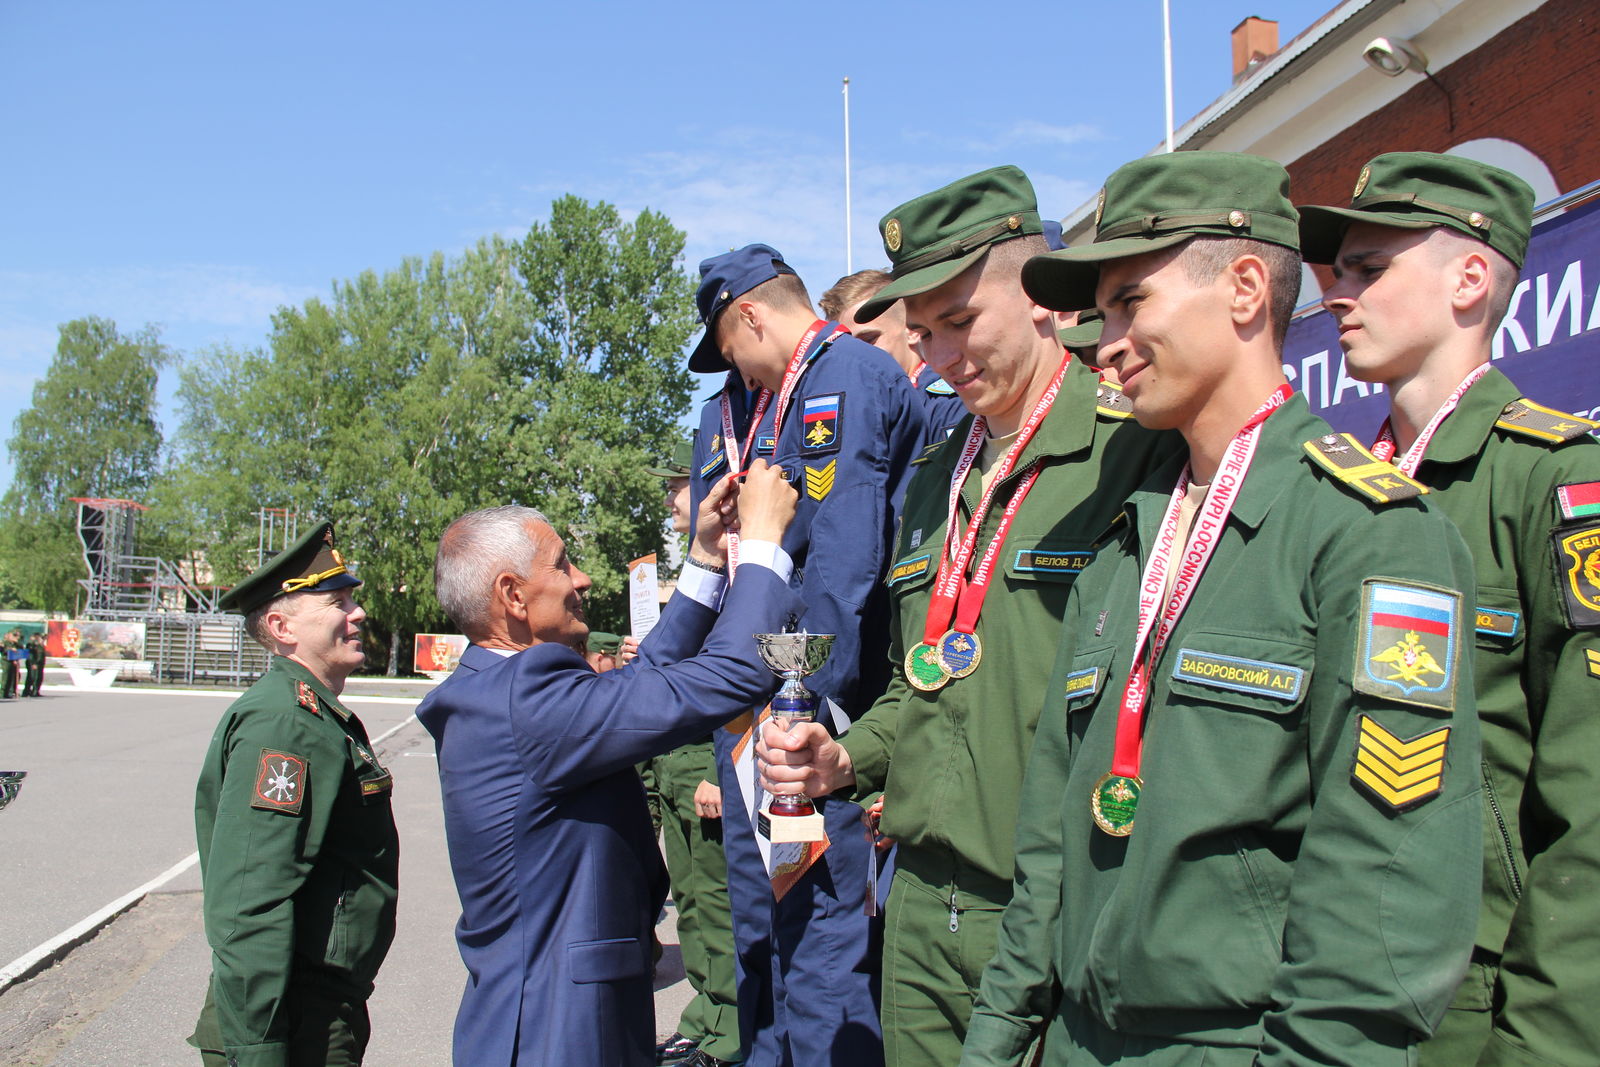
<point x="981" y="333"/>
<point x="1391" y="297"/>
<point x="678" y="503"/>
<point x="1165" y="337"/>
<point x="553" y="591"/>
<point x="741" y="347"/>
<point x="326" y="631"/>
<point x="888" y="332"/>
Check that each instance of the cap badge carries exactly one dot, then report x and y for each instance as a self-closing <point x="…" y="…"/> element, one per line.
<point x="1361" y="182"/>
<point x="1013" y="222"/>
<point x="891" y="235"/>
<point x="1477" y="221"/>
<point x="1100" y="208"/>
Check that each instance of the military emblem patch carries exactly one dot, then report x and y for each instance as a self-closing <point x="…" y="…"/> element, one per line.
<point x="821" y="416"/>
<point x="819" y="480"/>
<point x="1399" y="773"/>
<point x="1579" y="501"/>
<point x="1577" y="554"/>
<point x="909" y="569"/>
<point x="1408" y="649"/>
<point x="306" y="697"/>
<point x="280" y="782"/>
<point x="892" y="235"/>
<point x="939" y="387"/>
<point x="1099" y="208"/>
<point x="1361" y="181"/>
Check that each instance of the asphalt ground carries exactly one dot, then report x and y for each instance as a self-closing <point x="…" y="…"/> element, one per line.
<point x="108" y="807"/>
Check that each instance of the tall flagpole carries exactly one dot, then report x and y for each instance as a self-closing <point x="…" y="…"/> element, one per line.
<point x="1166" y="45"/>
<point x="847" y="265"/>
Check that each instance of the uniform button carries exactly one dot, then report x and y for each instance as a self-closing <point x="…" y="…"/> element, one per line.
<point x="1476" y="220"/>
<point x="1236" y="218"/>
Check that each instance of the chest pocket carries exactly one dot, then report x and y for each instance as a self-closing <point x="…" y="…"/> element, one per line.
<point x="1089" y="676"/>
<point x="1239" y="671"/>
<point x="1500" y="620"/>
<point x="1047" y="559"/>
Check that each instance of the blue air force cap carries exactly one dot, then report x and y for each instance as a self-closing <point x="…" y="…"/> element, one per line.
<point x="723" y="279"/>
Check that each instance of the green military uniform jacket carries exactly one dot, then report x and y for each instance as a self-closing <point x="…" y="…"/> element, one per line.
<point x="298" y="857"/>
<point x="1495" y="468"/>
<point x="1264" y="893"/>
<point x="950" y="762"/>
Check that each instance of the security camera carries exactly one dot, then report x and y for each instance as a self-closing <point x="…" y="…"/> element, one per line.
<point x="1393" y="56"/>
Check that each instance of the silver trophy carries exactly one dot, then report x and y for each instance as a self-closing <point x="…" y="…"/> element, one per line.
<point x="793" y="656"/>
<point x="10" y="785"/>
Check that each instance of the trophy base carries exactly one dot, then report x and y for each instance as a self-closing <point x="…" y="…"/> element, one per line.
<point x="788" y="829"/>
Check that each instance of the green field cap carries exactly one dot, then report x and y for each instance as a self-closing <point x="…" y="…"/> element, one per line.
<point x="310" y="565"/>
<point x="604" y="643"/>
<point x="940" y="234"/>
<point x="1086" y="332"/>
<point x="1160" y="201"/>
<point x="678" y="465"/>
<point x="1416" y="190"/>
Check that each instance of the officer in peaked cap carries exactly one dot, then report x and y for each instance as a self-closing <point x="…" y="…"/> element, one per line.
<point x="1249" y="827"/>
<point x="1425" y="259"/>
<point x="948" y="743"/>
<point x="298" y="850"/>
<point x="840" y="416"/>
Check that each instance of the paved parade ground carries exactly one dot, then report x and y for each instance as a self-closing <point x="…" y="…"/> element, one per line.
<point x="107" y="810"/>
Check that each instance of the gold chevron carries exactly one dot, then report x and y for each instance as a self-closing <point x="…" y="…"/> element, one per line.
<point x="1594" y="661"/>
<point x="819" y="480"/>
<point x="1401" y="773"/>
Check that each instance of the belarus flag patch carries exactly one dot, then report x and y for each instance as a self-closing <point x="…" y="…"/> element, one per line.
<point x="1578" y="501"/>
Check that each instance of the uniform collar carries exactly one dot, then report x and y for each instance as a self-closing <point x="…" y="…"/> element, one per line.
<point x="1277" y="453"/>
<point x="1068" y="427"/>
<point x="300" y="673"/>
<point x="1465" y="430"/>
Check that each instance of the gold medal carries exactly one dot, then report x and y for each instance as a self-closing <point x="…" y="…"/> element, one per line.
<point x="1114" y="802"/>
<point x="923" y="669"/>
<point x="959" y="653"/>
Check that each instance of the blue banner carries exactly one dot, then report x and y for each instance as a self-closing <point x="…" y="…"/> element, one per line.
<point x="1548" y="343"/>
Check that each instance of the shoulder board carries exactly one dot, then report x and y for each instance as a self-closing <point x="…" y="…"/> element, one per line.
<point x="1358" y="470"/>
<point x="1111" y="529"/>
<point x="927" y="454"/>
<point x="306" y="697"/>
<point x="1525" y="417"/>
<point x="1110" y="401"/>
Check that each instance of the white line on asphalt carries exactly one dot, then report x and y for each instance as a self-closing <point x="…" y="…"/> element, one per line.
<point x="30" y="963"/>
<point x="231" y="694"/>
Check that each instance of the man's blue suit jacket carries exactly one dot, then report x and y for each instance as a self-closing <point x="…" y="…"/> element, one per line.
<point x="550" y="841"/>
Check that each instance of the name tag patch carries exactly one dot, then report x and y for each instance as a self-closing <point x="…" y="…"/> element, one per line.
<point x="1056" y="561"/>
<point x="1499" y="623"/>
<point x="1083" y="683"/>
<point x="766" y="444"/>
<point x="1276" y="680"/>
<point x="911" y="568"/>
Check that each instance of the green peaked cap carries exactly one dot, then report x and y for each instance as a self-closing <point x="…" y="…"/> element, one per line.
<point x="1085" y="333"/>
<point x="938" y="235"/>
<point x="1417" y="190"/>
<point x="1160" y="201"/>
<point x="678" y="465"/>
<point x="310" y="565"/>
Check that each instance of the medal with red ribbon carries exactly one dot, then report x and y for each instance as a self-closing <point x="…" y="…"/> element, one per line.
<point x="953" y="650"/>
<point x="738" y="458"/>
<point x="1115" y="798"/>
<point x="1384" y="447"/>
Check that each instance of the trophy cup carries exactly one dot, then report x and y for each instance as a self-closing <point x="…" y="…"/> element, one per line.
<point x="10" y="785"/>
<point x="792" y="817"/>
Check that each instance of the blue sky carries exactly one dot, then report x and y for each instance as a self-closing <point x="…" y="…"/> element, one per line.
<point x="196" y="165"/>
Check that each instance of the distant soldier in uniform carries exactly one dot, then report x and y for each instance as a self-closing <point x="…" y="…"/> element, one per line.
<point x="1031" y="479"/>
<point x="298" y="849"/>
<point x="1249" y="830"/>
<point x="35" y="678"/>
<point x="888" y="331"/>
<point x="14" y="654"/>
<point x="840" y="417"/>
<point x="691" y="810"/>
<point x="1425" y="260"/>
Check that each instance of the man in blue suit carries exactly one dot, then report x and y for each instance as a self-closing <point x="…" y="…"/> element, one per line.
<point x="550" y="841"/>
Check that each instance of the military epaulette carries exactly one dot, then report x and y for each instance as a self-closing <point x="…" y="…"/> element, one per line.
<point x="1364" y="474"/>
<point x="306" y="697"/>
<point x="1541" y="423"/>
<point x="927" y="453"/>
<point x="1110" y="401"/>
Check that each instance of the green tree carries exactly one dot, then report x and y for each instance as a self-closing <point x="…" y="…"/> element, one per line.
<point x="546" y="371"/>
<point x="90" y="431"/>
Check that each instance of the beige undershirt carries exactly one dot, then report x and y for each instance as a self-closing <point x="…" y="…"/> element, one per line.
<point x="1188" y="508"/>
<point x="989" y="456"/>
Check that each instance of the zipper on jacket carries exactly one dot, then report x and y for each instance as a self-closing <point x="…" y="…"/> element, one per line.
<point x="1505" y="834"/>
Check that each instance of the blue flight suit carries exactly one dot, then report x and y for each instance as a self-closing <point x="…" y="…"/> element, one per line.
<point x="550" y="842"/>
<point x="943" y="406"/>
<point x="851" y="474"/>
